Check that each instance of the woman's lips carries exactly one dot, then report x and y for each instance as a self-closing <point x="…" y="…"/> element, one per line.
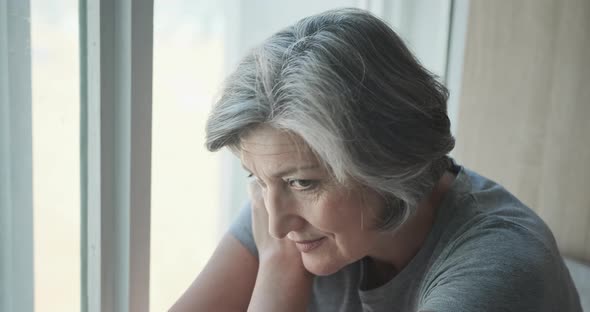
<point x="307" y="246"/>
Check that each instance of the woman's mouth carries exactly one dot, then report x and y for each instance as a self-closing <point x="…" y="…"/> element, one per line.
<point x="309" y="245"/>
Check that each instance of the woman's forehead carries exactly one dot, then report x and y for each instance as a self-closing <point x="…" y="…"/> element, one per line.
<point x="272" y="148"/>
<point x="266" y="140"/>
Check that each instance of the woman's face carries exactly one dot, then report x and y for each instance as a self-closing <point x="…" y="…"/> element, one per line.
<point x="306" y="205"/>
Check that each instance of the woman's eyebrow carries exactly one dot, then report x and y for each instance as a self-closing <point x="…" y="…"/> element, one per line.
<point x="292" y="170"/>
<point x="288" y="171"/>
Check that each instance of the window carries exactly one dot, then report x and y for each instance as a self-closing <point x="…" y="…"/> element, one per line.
<point x="188" y="68"/>
<point x="56" y="154"/>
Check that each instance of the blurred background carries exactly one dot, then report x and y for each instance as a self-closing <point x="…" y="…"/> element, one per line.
<point x="518" y="72"/>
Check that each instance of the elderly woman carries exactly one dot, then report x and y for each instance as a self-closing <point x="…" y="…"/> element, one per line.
<point x="355" y="205"/>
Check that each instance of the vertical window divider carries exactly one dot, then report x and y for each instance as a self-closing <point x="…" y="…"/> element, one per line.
<point x="16" y="173"/>
<point x="455" y="58"/>
<point x="117" y="40"/>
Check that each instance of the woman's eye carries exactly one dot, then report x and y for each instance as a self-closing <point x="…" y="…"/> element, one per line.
<point x="303" y="185"/>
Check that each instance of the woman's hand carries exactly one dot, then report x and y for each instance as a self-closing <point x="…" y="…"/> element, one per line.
<point x="282" y="283"/>
<point x="269" y="248"/>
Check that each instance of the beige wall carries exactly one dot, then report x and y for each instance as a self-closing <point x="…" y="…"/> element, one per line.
<point x="524" y="116"/>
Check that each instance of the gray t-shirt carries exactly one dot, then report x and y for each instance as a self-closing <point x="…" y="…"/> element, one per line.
<point x="487" y="251"/>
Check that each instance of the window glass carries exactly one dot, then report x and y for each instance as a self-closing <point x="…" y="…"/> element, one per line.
<point x="188" y="66"/>
<point x="56" y="154"/>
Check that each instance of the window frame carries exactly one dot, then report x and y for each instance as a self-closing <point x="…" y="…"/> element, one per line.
<point x="116" y="107"/>
<point x="455" y="58"/>
<point x="17" y="285"/>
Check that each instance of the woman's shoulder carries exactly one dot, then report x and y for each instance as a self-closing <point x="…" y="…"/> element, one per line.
<point x="492" y="247"/>
<point x="483" y="206"/>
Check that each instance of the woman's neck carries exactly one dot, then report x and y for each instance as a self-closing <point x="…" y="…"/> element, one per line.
<point x="395" y="250"/>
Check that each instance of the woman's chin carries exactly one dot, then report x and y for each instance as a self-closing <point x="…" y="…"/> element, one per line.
<point x="320" y="268"/>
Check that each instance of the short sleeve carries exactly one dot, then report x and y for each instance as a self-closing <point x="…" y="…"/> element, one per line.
<point x="499" y="266"/>
<point x="241" y="229"/>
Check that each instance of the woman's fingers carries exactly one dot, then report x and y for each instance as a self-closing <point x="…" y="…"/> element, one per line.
<point x="259" y="216"/>
<point x="255" y="194"/>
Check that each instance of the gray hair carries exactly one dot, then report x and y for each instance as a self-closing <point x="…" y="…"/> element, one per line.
<point x="347" y="85"/>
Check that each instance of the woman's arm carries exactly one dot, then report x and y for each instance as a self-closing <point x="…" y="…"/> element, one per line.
<point x="281" y="286"/>
<point x="226" y="282"/>
<point x="233" y="279"/>
<point x="283" y="283"/>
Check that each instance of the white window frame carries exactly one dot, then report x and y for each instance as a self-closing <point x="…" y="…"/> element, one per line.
<point x="16" y="175"/>
<point x="456" y="58"/>
<point x="117" y="37"/>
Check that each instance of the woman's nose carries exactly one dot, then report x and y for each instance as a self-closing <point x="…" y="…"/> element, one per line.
<point x="283" y="216"/>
